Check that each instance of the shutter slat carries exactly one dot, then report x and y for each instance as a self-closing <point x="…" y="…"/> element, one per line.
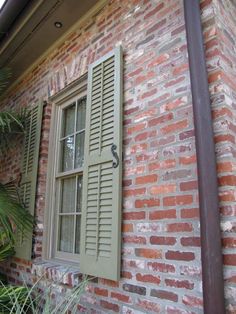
<point x="101" y="209"/>
<point x="29" y="171"/>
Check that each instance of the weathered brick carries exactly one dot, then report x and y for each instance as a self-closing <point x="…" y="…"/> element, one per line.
<point x="162" y="214"/>
<point x="163" y="294"/>
<point x="134" y="289"/>
<point x="110" y="306"/>
<point x="148" y="253"/>
<point x="186" y="284"/>
<point x="157" y="240"/>
<point x="182" y="256"/>
<point x="178" y="200"/>
<point x="161" y="267"/>
<point x="148" y="278"/>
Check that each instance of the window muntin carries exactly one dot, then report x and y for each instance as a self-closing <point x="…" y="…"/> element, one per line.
<point x="68" y="179"/>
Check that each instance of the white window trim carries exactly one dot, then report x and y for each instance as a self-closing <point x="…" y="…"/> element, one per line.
<point x="75" y="90"/>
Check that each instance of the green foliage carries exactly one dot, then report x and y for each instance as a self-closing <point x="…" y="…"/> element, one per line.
<point x="39" y="298"/>
<point x="11" y="123"/>
<point x="12" y="215"/>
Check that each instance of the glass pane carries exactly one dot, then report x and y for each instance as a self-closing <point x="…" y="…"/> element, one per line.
<point x="79" y="150"/>
<point x="79" y="194"/>
<point x="80" y="125"/>
<point x="77" y="234"/>
<point x="69" y="120"/>
<point x="68" y="195"/>
<point x="66" y="233"/>
<point x="67" y="153"/>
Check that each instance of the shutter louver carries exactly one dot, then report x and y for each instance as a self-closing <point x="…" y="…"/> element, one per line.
<point x="101" y="210"/>
<point x="29" y="171"/>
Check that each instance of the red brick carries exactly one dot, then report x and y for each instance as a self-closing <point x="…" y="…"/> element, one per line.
<point x="127" y="228"/>
<point x="174" y="81"/>
<point x="146" y="179"/>
<point x="135" y="192"/>
<point x="134" y="239"/>
<point x="149" y="93"/>
<point x="179" y="227"/>
<point x="134" y="215"/>
<point x="136" y="128"/>
<point x="148" y="253"/>
<point x="229" y="259"/>
<point x="101" y="292"/>
<point x="126" y="274"/>
<point x="148" y="278"/>
<point x="120" y="297"/>
<point x="227" y="180"/>
<point x="190" y="213"/>
<point x="182" y="256"/>
<point x="179" y="283"/>
<point x="178" y="200"/>
<point x="154" y="11"/>
<point x="174" y="127"/>
<point x="191" y="241"/>
<point x="149" y="307"/>
<point x="170" y="163"/>
<point x="225" y="167"/>
<point x="157" y="240"/>
<point x="163" y="189"/>
<point x="142" y="203"/>
<point x="162" y="214"/>
<point x="187" y="160"/>
<point x="188" y="186"/>
<point x="161" y="267"/>
<point x="110" y="283"/>
<point x="110" y="306"/>
<point x="162" y="294"/>
<point x="229" y="242"/>
<point x="193" y="301"/>
<point x="160" y="120"/>
<point x="180" y="69"/>
<point x="157" y="26"/>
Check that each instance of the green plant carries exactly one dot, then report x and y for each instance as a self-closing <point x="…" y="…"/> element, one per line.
<point x="12" y="215"/>
<point x="39" y="298"/>
<point x="11" y="124"/>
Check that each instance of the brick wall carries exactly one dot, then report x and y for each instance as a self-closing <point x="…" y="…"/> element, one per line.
<point x="161" y="264"/>
<point x="219" y="22"/>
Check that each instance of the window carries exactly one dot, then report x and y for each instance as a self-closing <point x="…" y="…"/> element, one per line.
<point x="67" y="145"/>
<point x="85" y="171"/>
<point x="69" y="177"/>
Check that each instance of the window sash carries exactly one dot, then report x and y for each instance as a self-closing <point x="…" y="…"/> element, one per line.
<point x="59" y="176"/>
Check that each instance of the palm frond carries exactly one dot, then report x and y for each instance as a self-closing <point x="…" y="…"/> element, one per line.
<point x="13" y="213"/>
<point x="11" y="124"/>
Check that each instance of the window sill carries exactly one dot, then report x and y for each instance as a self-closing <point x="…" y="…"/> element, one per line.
<point x="57" y="272"/>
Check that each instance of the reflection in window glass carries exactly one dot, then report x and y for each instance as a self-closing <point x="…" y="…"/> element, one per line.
<point x="79" y="150"/>
<point x="80" y="125"/>
<point x="68" y="195"/>
<point x="69" y="120"/>
<point x="66" y="234"/>
<point x="67" y="153"/>
<point x="77" y="238"/>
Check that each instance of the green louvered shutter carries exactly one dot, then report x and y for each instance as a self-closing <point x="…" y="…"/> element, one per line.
<point x="29" y="174"/>
<point x="101" y="210"/>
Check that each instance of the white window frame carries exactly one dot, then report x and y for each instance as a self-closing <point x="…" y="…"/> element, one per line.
<point x="73" y="92"/>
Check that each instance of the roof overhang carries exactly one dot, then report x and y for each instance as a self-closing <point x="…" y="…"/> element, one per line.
<point x="28" y="30"/>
